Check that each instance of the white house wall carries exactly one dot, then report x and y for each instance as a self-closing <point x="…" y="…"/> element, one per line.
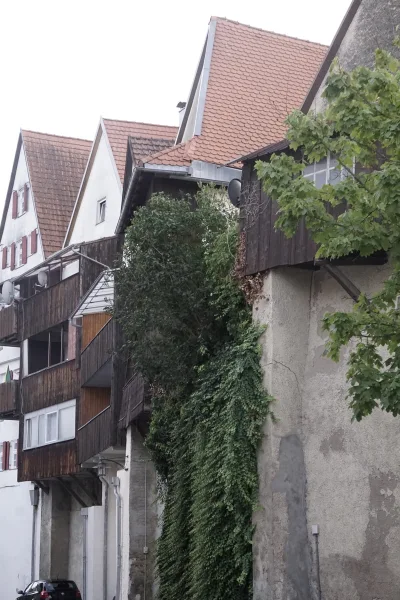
<point x="15" y="524"/>
<point x="15" y="229"/>
<point x="102" y="183"/>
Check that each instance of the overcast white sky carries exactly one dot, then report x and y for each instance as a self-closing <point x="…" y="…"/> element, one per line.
<point x="65" y="63"/>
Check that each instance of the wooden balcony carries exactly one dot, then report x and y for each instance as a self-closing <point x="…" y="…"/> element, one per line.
<point x="9" y="400"/>
<point x="50" y="386"/>
<point x="96" y="359"/>
<point x="46" y="462"/>
<point x="136" y="404"/>
<point x="9" y="325"/>
<point x="96" y="435"/>
<point x="49" y="308"/>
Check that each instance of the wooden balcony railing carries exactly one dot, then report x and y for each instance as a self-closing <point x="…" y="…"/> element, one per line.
<point x="9" y="400"/>
<point x="97" y="353"/>
<point x="49" y="308"/>
<point x="9" y="325"/>
<point x="45" y="462"/>
<point x="135" y="401"/>
<point x="95" y="436"/>
<point x="50" y="386"/>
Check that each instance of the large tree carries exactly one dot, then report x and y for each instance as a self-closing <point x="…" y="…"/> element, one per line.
<point x="357" y="213"/>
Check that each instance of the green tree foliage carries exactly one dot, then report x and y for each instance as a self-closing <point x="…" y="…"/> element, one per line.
<point x="360" y="127"/>
<point x="189" y="331"/>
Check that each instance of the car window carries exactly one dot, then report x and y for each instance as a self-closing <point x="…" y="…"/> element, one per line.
<point x="29" y="588"/>
<point x="62" y="585"/>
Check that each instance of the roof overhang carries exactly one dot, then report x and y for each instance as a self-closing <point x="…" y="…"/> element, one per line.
<point x="199" y="171"/>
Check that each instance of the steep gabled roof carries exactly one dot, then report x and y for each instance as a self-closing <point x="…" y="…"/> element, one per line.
<point x="56" y="165"/>
<point x="251" y="79"/>
<point x="119" y="131"/>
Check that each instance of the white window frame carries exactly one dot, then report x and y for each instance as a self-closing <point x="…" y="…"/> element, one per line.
<point x="18" y="253"/>
<point x="1" y="457"/>
<point x="13" y="456"/>
<point x="331" y="165"/>
<point x="51" y="440"/>
<point x="101" y="212"/>
<point x="46" y="412"/>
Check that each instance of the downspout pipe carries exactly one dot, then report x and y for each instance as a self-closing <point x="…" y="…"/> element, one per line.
<point x="34" y="494"/>
<point x="105" y="537"/>
<point x="84" y="513"/>
<point x="116" y="485"/>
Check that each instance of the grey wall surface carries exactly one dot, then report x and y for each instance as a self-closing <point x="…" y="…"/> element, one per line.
<point x="374" y="26"/>
<point x="315" y="465"/>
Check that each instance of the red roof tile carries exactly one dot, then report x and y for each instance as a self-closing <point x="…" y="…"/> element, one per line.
<point x="119" y="131"/>
<point x="56" y="166"/>
<point x="256" y="79"/>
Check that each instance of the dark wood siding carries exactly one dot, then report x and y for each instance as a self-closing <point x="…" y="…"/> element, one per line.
<point x="9" y="400"/>
<point x="9" y="325"/>
<point x="105" y="251"/>
<point x="53" y="460"/>
<point x="267" y="247"/>
<point x="135" y="401"/>
<point x="50" y="307"/>
<point x="93" y="400"/>
<point x="95" y="436"/>
<point x="97" y="353"/>
<point x="50" y="386"/>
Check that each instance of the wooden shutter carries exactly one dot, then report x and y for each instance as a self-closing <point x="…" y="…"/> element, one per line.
<point x="34" y="241"/>
<point x="15" y="204"/>
<point x="6" y="450"/>
<point x="4" y="260"/>
<point x="24" y="249"/>
<point x="26" y="197"/>
<point x="12" y="256"/>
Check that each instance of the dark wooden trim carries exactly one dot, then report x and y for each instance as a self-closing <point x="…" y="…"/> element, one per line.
<point x="72" y="492"/>
<point x="135" y="401"/>
<point x="9" y="325"/>
<point x="95" y="436"/>
<point x="47" y="462"/>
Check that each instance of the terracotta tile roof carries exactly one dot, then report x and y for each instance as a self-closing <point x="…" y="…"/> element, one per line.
<point x="256" y="79"/>
<point x="119" y="131"/>
<point x="178" y="156"/>
<point x="56" y="166"/>
<point x="142" y="146"/>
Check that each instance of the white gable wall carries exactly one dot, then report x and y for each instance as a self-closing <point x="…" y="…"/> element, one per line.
<point x="15" y="229"/>
<point x="102" y="182"/>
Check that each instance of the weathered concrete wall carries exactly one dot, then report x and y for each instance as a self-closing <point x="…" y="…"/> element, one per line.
<point x="373" y="27"/>
<point x="140" y="544"/>
<point x="316" y="466"/>
<point x="54" y="533"/>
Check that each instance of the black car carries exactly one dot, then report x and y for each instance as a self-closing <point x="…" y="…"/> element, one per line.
<point x="52" y="589"/>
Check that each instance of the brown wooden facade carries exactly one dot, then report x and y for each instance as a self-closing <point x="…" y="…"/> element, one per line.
<point x="50" y="386"/>
<point x="45" y="462"/>
<point x="9" y="325"/>
<point x="93" y="400"/>
<point x="136" y="404"/>
<point x="9" y="400"/>
<point x="96" y="435"/>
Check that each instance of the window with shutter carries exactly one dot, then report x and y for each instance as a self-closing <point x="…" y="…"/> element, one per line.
<point x="26" y="197"/>
<point x="24" y="250"/>
<point x="4" y="257"/>
<point x="14" y="204"/>
<point x="13" y="250"/>
<point x="4" y="455"/>
<point x="34" y="241"/>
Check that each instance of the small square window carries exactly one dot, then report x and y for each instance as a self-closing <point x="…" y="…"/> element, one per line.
<point x="101" y="211"/>
<point x="12" y="458"/>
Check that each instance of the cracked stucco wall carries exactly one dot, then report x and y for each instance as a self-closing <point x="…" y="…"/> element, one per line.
<point x="315" y="465"/>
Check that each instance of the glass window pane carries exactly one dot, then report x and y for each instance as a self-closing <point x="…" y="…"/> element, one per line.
<point x="334" y="176"/>
<point x="320" y="179"/>
<point x="34" y="421"/>
<point x="66" y="423"/>
<point x="51" y="427"/>
<point x="321" y="165"/>
<point x="309" y="170"/>
<point x="42" y="430"/>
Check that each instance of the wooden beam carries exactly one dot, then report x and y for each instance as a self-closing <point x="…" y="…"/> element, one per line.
<point x="344" y="281"/>
<point x="72" y="492"/>
<point x="88" y="492"/>
<point x="42" y="486"/>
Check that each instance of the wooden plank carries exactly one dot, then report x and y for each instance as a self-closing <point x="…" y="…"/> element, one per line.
<point x="8" y="325"/>
<point x="50" y="307"/>
<point x="9" y="400"/>
<point x="97" y="353"/>
<point x="93" y="400"/>
<point x="95" y="436"/>
<point x="91" y="325"/>
<point x="53" y="460"/>
<point x="50" y="386"/>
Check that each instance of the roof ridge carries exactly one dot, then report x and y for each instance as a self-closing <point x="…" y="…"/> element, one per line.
<point x="269" y="31"/>
<point x="64" y="137"/>
<point x="139" y="123"/>
<point x="149" y="139"/>
<point x="166" y="150"/>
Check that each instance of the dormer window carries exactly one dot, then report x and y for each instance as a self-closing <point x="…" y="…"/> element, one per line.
<point x="101" y="211"/>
